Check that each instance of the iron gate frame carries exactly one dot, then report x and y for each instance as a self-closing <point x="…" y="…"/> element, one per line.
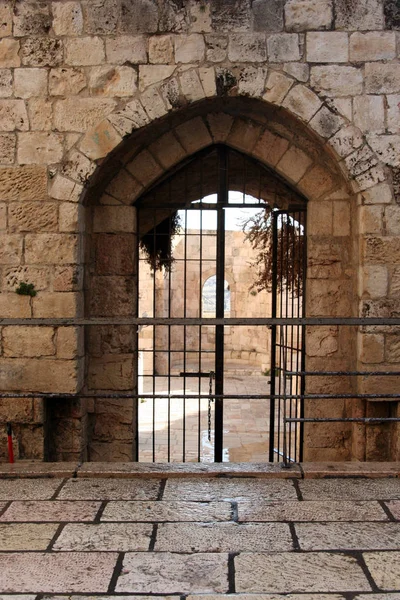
<point x="274" y="399"/>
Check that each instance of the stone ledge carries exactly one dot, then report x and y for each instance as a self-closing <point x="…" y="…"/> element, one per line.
<point x="32" y="469"/>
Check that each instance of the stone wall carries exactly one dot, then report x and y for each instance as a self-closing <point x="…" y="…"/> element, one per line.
<point x="100" y="98"/>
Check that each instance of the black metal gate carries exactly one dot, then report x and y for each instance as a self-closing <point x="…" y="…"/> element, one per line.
<point x="222" y="244"/>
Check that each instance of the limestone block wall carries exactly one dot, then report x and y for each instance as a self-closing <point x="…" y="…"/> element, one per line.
<point x="99" y="99"/>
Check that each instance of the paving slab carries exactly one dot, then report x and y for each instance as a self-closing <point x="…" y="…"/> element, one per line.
<point x="348" y="536"/>
<point x="51" y="511"/>
<point x="110" y="489"/>
<point x="384" y="568"/>
<point x="394" y="507"/>
<point x="167" y="511"/>
<point x="329" y="510"/>
<point x="102" y="597"/>
<point x="262" y="470"/>
<point x="228" y="489"/>
<point x="268" y="597"/>
<point x="350" y="489"/>
<point x="26" y="536"/>
<point x="224" y="537"/>
<point x="171" y="573"/>
<point x="18" y="597"/>
<point x="28" y="489"/>
<point x="63" y="573"/>
<point x="121" y="537"/>
<point x="285" y="573"/>
<point x="378" y="597"/>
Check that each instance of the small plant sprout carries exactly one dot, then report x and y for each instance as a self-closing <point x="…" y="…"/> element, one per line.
<point x="26" y="289"/>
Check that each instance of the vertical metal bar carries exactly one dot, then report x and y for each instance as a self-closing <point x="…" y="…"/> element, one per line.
<point x="199" y="383"/>
<point x="136" y="336"/>
<point x="303" y="247"/>
<point x="220" y="291"/>
<point x="184" y="328"/>
<point x="169" y="335"/>
<point x="274" y="218"/>
<point x="154" y="341"/>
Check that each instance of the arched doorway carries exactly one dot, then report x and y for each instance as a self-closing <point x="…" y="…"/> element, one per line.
<point x="219" y="216"/>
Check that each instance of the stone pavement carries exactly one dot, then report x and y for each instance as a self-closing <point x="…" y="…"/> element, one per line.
<point x="258" y="537"/>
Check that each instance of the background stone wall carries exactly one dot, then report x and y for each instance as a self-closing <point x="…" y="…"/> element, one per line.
<point x="99" y="98"/>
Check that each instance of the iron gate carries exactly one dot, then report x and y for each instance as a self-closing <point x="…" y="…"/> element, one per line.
<point x="223" y="237"/>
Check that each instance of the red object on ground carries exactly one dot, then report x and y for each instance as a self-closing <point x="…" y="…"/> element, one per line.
<point x="10" y="444"/>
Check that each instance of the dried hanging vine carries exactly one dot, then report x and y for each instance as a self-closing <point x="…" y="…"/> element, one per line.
<point x="157" y="243"/>
<point x="290" y="250"/>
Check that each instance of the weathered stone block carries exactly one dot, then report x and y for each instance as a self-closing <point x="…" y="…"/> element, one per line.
<point x="140" y="16"/>
<point x="31" y="18"/>
<point x="124" y="48"/>
<point x="64" y="189"/>
<point x="66" y="82"/>
<point x="267" y="16"/>
<point x="359" y="14"/>
<point x="51" y="305"/>
<point x="326" y="47"/>
<point x="114" y="219"/>
<point x="317" y="182"/>
<point x="101" y="17"/>
<point x="23" y="183"/>
<point x="270" y="148"/>
<point x="10" y="249"/>
<point x="283" y="47"/>
<point x="39" y="147"/>
<point x="32" y="216"/>
<point x="78" y="167"/>
<point x="167" y="150"/>
<point x="124" y="187"/>
<point x="277" y="87"/>
<point x="69" y="342"/>
<point x="51" y="248"/>
<point x="375" y="281"/>
<point x="6" y="83"/>
<point x="152" y="103"/>
<point x="14" y="306"/>
<point x="293" y="164"/>
<point x="80" y="114"/>
<point x="28" y="341"/>
<point x="9" y="50"/>
<point x="6" y="20"/>
<point x="300" y="71"/>
<point x="151" y="74"/>
<point x="387" y="147"/>
<point x="40" y="113"/>
<point x="250" y="47"/>
<point x="39" y="276"/>
<point x="341" y="218"/>
<point x="39" y="375"/>
<point x="251" y="81"/>
<point x="100" y="141"/>
<point x="30" y="82"/>
<point x="337" y="80"/>
<point x="371" y="348"/>
<point x="382" y="78"/>
<point x="237" y="18"/>
<point x="67" y="18"/>
<point x="347" y="140"/>
<point x="217" y="47"/>
<point x="144" y="168"/>
<point x="374" y="45"/>
<point x="115" y="254"/>
<point x="191" y="86"/>
<point x="190" y="142"/>
<point x="7" y="148"/>
<point x="326" y="123"/>
<point x="360" y="160"/>
<point x="13" y="115"/>
<point x="70" y="217"/>
<point x="200" y="17"/>
<point x="42" y="52"/>
<point x="380" y="194"/>
<point x="381" y="250"/>
<point x="302" y="102"/>
<point x="369" y="113"/>
<point x="161" y="49"/>
<point x="303" y="15"/>
<point x="320" y="219"/>
<point x="112" y="296"/>
<point x="67" y="279"/>
<point x="189" y="48"/>
<point x="16" y="410"/>
<point x="84" y="51"/>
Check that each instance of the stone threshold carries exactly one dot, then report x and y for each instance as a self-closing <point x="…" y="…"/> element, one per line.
<point x="314" y="470"/>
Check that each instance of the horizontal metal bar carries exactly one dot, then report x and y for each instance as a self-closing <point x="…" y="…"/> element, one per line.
<point x="361" y="373"/>
<point x="344" y="420"/>
<point x="147" y="321"/>
<point x="194" y="374"/>
<point x="197" y="396"/>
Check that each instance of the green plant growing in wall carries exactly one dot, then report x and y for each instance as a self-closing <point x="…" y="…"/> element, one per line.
<point x="26" y="289"/>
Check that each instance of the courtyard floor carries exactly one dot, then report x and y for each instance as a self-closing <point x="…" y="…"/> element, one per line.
<point x="204" y="531"/>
